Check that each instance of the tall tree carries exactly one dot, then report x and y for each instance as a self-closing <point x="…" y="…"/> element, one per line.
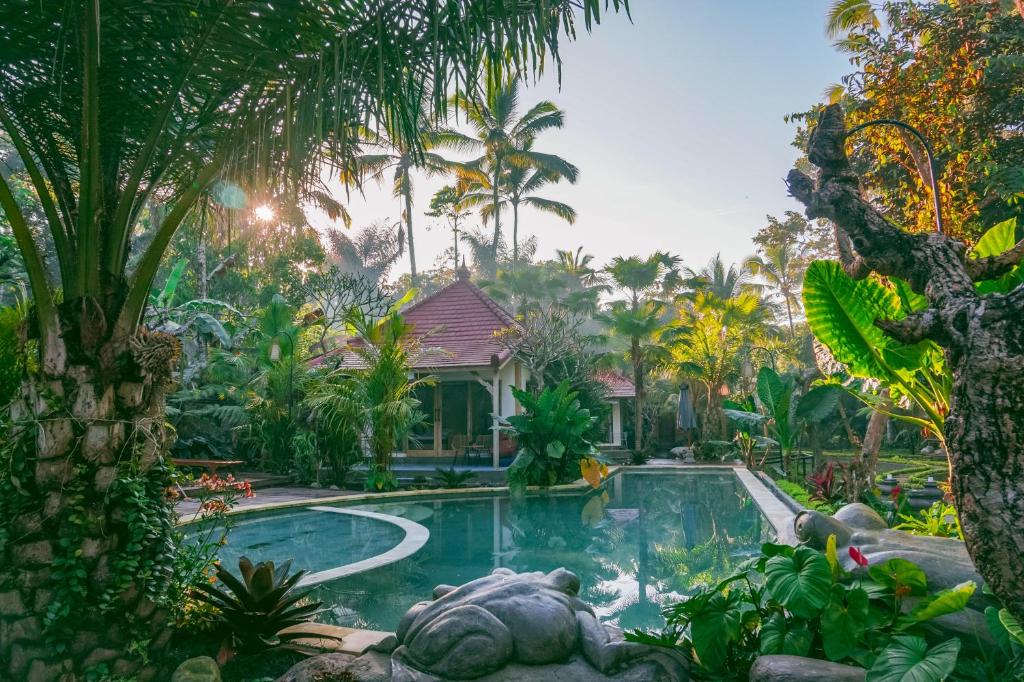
<point x="447" y="203"/>
<point x="719" y="280"/>
<point x="951" y="70"/>
<point x="518" y="184"/>
<point x="111" y="104"/>
<point x="978" y="329"/>
<point x="505" y="138"/>
<point x="401" y="157"/>
<point x="640" y="315"/>
<point x="781" y="269"/>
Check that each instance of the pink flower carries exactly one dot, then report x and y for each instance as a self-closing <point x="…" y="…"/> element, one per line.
<point x="858" y="557"/>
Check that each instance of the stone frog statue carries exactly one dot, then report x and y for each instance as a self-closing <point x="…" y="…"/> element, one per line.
<point x="509" y="618"/>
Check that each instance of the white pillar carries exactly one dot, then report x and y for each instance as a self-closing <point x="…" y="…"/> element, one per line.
<point x="617" y="423"/>
<point x="495" y="406"/>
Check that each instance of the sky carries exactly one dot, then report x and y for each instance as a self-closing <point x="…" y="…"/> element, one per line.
<point x="676" y="124"/>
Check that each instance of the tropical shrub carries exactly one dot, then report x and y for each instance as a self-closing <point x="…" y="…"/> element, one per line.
<point x="939" y="520"/>
<point x="450" y="478"/>
<point x="254" y="610"/>
<point x="552" y="435"/>
<point x="798" y="601"/>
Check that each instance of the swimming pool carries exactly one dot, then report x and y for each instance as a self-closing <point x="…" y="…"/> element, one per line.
<point x="643" y="539"/>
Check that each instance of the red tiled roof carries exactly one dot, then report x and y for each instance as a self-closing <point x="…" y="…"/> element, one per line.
<point x="460" y="321"/>
<point x="618" y="386"/>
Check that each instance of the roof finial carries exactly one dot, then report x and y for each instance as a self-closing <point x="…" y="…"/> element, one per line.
<point x="463" y="272"/>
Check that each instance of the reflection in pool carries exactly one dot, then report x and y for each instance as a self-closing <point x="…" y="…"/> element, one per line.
<point x="644" y="539"/>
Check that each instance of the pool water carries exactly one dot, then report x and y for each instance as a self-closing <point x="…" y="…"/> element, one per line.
<point x="643" y="540"/>
<point x="314" y="540"/>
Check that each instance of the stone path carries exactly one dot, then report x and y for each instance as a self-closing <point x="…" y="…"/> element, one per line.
<point x="187" y="508"/>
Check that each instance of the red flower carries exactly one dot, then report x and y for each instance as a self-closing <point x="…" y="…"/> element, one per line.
<point x="858" y="557"/>
<point x="895" y="492"/>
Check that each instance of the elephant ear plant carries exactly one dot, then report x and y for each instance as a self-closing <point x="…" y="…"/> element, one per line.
<point x="801" y="602"/>
<point x="255" y="609"/>
<point x="553" y="445"/>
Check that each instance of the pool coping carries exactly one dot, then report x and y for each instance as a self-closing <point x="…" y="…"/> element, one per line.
<point x="416" y="535"/>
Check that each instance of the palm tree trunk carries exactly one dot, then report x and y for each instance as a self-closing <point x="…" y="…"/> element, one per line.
<point x="515" y="235"/>
<point x="638" y="406"/>
<point x="407" y="195"/>
<point x="89" y="519"/>
<point x="497" y="212"/>
<point x="789" y="312"/>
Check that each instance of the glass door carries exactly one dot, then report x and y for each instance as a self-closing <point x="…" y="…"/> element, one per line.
<point x="423" y="437"/>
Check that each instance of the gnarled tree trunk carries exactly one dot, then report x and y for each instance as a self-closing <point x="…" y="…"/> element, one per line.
<point x="983" y="340"/>
<point x="87" y="522"/>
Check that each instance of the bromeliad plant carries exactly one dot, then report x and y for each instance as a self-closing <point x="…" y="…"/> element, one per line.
<point x="552" y="435"/>
<point x="255" y="609"/>
<point x="798" y="601"/>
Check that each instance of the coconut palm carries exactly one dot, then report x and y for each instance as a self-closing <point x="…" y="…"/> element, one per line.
<point x="781" y="268"/>
<point x="640" y="316"/>
<point x="402" y="157"/>
<point x="113" y="105"/>
<point x="718" y="280"/>
<point x="518" y="183"/>
<point x="505" y="138"/>
<point x="370" y="253"/>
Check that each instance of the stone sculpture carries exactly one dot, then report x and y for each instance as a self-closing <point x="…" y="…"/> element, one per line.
<point x="510" y="626"/>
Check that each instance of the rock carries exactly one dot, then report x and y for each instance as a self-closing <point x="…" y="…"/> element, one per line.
<point x="526" y="619"/>
<point x="11" y="604"/>
<point x="372" y="667"/>
<point x="800" y="669"/>
<point x="576" y="669"/>
<point x="323" y="668"/>
<point x="198" y="669"/>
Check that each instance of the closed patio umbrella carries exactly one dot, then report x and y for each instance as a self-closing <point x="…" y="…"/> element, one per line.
<point x="686" y="418"/>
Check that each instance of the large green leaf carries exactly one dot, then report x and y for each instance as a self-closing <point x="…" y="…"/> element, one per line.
<point x="800" y="582"/>
<point x="900" y="574"/>
<point x="843" y="622"/>
<point x="714" y="627"/>
<point x="908" y="659"/>
<point x="779" y="636"/>
<point x="773" y="392"/>
<point x="818" y="403"/>
<point x="841" y="313"/>
<point x="1012" y="625"/>
<point x="999" y="238"/>
<point x="945" y="602"/>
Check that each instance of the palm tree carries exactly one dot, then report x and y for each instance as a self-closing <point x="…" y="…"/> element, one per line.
<point x="105" y="125"/>
<point x="402" y="157"/>
<point x="371" y="253"/>
<point x="781" y="268"/>
<point x="640" y="316"/>
<point x="505" y="139"/>
<point x="518" y="183"/>
<point x="717" y="279"/>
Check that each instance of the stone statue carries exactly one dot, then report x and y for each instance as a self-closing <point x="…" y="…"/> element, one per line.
<point x="944" y="560"/>
<point x="507" y="627"/>
<point x="533" y="619"/>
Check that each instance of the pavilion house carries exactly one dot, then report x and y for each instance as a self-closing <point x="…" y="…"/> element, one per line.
<point x="458" y="329"/>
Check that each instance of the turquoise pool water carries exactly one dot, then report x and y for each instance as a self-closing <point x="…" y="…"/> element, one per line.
<point x="644" y="539"/>
<point x="313" y="540"/>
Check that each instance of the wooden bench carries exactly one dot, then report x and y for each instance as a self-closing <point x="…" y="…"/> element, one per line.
<point x="211" y="464"/>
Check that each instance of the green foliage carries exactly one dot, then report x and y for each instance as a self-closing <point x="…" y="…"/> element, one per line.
<point x="552" y="434"/>
<point x="12" y="353"/>
<point x="254" y="610"/>
<point x="798" y="601"/>
<point x="450" y="478"/>
<point x="939" y="520"/>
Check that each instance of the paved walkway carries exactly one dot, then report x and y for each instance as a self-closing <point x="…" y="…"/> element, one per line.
<point x="187" y="508"/>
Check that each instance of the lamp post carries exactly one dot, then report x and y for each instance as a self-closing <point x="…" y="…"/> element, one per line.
<point x="927" y="151"/>
<point x="275" y="355"/>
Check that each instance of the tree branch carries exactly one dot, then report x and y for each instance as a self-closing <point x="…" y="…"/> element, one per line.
<point x="913" y="328"/>
<point x="994" y="267"/>
<point x="920" y="259"/>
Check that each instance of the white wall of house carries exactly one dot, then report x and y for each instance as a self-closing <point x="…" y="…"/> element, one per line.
<point x="615" y="432"/>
